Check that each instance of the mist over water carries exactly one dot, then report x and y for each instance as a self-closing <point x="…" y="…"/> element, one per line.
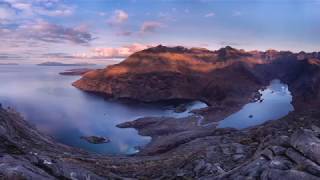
<point x="54" y="106"/>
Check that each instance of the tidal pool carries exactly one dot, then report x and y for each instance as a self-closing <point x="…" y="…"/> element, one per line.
<point x="47" y="100"/>
<point x="276" y="103"/>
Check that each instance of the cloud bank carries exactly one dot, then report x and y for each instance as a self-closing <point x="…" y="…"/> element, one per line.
<point x="54" y="33"/>
<point x="109" y="52"/>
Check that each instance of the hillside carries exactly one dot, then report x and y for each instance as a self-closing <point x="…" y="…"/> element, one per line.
<point x="227" y="75"/>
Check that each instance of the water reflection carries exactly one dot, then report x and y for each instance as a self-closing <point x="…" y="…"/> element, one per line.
<point x="48" y="100"/>
<point x="276" y="103"/>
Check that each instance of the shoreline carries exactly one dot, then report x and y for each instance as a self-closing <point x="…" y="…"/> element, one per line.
<point x="247" y="142"/>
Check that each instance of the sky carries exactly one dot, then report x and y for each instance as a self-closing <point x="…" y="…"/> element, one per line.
<point x="33" y="31"/>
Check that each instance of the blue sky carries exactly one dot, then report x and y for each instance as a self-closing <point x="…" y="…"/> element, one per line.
<point x="100" y="30"/>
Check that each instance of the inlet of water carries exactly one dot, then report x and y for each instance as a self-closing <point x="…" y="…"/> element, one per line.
<point x="275" y="103"/>
<point x="47" y="100"/>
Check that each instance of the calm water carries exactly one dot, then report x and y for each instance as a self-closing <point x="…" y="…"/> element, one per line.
<point x="48" y="100"/>
<point x="276" y="104"/>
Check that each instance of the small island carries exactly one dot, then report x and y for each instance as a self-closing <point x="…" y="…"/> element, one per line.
<point x="64" y="64"/>
<point x="95" y="139"/>
<point x="76" y="72"/>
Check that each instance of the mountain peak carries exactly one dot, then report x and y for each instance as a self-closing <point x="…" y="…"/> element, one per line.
<point x="229" y="52"/>
<point x="161" y="48"/>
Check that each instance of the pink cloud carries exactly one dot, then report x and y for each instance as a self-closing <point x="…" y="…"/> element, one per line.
<point x="124" y="33"/>
<point x="110" y="52"/>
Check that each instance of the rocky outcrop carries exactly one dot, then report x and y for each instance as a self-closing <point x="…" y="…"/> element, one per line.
<point x="163" y="73"/>
<point x="25" y="153"/>
<point x="290" y="158"/>
<point x="225" y="76"/>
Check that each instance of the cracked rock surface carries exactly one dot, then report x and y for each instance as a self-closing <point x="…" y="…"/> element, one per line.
<point x="296" y="157"/>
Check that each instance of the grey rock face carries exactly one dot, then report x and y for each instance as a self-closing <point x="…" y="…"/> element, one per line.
<point x="296" y="162"/>
<point x="308" y="144"/>
<point x="273" y="174"/>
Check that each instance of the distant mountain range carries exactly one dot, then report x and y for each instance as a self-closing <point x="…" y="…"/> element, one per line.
<point x="64" y="64"/>
<point x="7" y="64"/>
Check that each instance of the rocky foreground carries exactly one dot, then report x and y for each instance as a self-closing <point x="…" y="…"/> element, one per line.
<point x="284" y="149"/>
<point x="192" y="147"/>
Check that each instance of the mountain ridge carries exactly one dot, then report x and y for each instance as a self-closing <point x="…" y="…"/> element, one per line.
<point x="173" y="72"/>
